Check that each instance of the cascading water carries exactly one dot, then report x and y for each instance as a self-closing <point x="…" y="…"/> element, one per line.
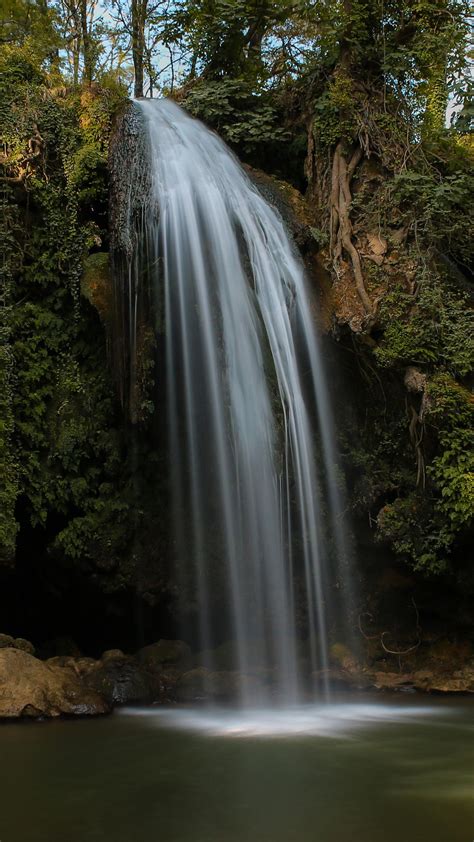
<point x="255" y="507"/>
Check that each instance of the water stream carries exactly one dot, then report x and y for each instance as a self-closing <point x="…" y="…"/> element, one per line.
<point x="252" y="455"/>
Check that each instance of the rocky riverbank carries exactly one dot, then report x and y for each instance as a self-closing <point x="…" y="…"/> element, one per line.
<point x="167" y="672"/>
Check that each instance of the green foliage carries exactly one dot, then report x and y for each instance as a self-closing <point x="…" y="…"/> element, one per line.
<point x="30" y="36"/>
<point x="435" y="328"/>
<point x="334" y="111"/>
<point x="439" y="204"/>
<point x="451" y="413"/>
<point x="8" y="466"/>
<point x="258" y="71"/>
<point x="433" y="331"/>
<point x="226" y="37"/>
<point x="416" y="534"/>
<point x="241" y="117"/>
<point x="61" y="446"/>
<point x="424" y="527"/>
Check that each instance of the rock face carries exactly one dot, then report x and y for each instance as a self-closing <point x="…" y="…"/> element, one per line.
<point x="290" y="203"/>
<point x="149" y="677"/>
<point x="32" y="688"/>
<point x="163" y="672"/>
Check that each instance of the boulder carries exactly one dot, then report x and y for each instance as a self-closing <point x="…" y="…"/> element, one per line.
<point x="112" y="655"/>
<point x="32" y="688"/>
<point x="79" y="666"/>
<point x="460" y="681"/>
<point x="122" y="679"/>
<point x="24" y="645"/>
<point x="341" y="656"/>
<point x="342" y="679"/>
<point x="192" y="686"/>
<point x="200" y="684"/>
<point x="224" y="657"/>
<point x="164" y="652"/>
<point x="96" y="286"/>
<point x="392" y="681"/>
<point x="9" y="642"/>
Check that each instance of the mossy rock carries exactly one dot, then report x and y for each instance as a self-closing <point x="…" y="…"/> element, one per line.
<point x="9" y="642"/>
<point x="123" y="680"/>
<point x="164" y="652"/>
<point x="193" y="685"/>
<point x="290" y="203"/>
<point x="224" y="685"/>
<point x="341" y="655"/>
<point x="24" y="645"/>
<point x="31" y="688"/>
<point x="96" y="285"/>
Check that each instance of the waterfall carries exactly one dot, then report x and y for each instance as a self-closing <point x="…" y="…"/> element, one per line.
<point x="250" y="441"/>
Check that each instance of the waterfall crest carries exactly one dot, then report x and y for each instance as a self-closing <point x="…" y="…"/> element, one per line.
<point x="254" y="504"/>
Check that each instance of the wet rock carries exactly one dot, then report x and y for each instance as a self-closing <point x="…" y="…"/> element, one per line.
<point x="79" y="666"/>
<point x="123" y="680"/>
<point x="342" y="679"/>
<point x="224" y="657"/>
<point x="192" y="686"/>
<point x="460" y="681"/>
<point x="340" y="655"/>
<point x="63" y="661"/>
<point x="164" y="652"/>
<point x="230" y="685"/>
<point x="31" y="688"/>
<point x="201" y="684"/>
<point x="290" y="203"/>
<point x="392" y="680"/>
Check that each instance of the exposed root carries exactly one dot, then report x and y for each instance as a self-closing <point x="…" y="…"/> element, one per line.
<point x="416" y="430"/>
<point x="367" y="636"/>
<point x="398" y="651"/>
<point x="415" y="381"/>
<point x="385" y="633"/>
<point x="340" y="223"/>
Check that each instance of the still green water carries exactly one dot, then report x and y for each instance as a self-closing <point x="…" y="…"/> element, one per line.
<point x="364" y="772"/>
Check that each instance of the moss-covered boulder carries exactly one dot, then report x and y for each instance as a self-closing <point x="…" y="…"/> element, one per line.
<point x="123" y="680"/>
<point x="174" y="652"/>
<point x="9" y="642"/>
<point x="32" y="688"/>
<point x="96" y="284"/>
<point x="201" y="684"/>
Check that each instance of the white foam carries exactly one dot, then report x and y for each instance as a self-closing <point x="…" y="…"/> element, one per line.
<point x="327" y="720"/>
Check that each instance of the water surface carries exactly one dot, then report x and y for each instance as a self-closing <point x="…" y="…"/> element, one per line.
<point x="364" y="772"/>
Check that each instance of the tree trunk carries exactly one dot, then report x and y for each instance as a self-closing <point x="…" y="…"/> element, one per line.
<point x="139" y="12"/>
<point x="86" y="43"/>
<point x="76" y="42"/>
